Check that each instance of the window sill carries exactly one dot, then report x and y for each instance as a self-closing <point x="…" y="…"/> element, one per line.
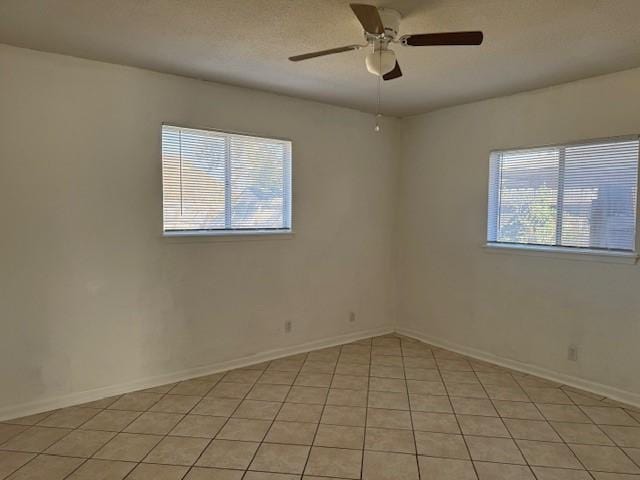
<point x="226" y="236"/>
<point x="564" y="253"/>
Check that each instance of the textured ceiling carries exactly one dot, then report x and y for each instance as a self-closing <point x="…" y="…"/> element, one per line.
<point x="528" y="44"/>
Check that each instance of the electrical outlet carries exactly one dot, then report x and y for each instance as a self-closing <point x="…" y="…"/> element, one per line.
<point x="572" y="353"/>
<point x="352" y="317"/>
<point x="287" y="326"/>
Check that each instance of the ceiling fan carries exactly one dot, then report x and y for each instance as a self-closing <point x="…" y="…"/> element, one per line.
<point x="381" y="26"/>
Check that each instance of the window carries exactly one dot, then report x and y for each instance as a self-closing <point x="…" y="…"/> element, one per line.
<point x="578" y="196"/>
<point x="217" y="183"/>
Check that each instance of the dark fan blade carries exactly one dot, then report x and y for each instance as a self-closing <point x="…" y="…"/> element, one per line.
<point x="369" y="18"/>
<point x="322" y="53"/>
<point x="447" y="38"/>
<point x="395" y="73"/>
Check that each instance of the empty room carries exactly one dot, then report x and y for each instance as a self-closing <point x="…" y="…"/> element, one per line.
<point x="319" y="240"/>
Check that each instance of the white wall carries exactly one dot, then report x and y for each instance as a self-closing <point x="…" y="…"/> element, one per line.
<point x="522" y="308"/>
<point x="92" y="296"/>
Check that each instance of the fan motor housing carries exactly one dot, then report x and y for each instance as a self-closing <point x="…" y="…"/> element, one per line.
<point x="391" y="21"/>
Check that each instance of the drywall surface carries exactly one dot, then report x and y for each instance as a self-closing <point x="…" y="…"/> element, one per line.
<point x="520" y="308"/>
<point x="91" y="294"/>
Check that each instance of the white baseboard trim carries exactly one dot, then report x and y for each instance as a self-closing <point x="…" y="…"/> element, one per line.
<point x="76" y="398"/>
<point x="613" y="393"/>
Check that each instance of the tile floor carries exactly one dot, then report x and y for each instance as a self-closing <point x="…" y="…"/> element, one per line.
<point x="386" y="408"/>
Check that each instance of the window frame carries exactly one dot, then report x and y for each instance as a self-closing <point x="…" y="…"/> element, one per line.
<point x="232" y="234"/>
<point x="578" y="253"/>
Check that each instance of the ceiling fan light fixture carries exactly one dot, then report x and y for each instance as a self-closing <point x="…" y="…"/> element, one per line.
<point x="380" y="62"/>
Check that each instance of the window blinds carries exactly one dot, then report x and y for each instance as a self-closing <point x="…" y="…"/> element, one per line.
<point x="575" y="196"/>
<point x="224" y="182"/>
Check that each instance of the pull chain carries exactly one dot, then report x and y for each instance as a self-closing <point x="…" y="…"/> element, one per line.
<point x="378" y="115"/>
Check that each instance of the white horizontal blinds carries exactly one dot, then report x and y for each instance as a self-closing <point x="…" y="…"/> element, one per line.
<point x="528" y="191"/>
<point x="599" y="201"/>
<point x="214" y="181"/>
<point x="581" y="196"/>
<point x="259" y="181"/>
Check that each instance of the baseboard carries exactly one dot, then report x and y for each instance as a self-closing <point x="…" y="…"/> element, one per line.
<point x="76" y="398"/>
<point x="613" y="393"/>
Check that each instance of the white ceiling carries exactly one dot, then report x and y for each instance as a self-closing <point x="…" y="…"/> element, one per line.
<point x="528" y="44"/>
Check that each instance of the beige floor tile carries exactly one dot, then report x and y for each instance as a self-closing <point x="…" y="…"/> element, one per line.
<point x="634" y="454"/>
<point x="350" y="382"/>
<point x="94" y="469"/>
<point x="295" y="433"/>
<point x="427" y="374"/>
<point x="390" y="440"/>
<point x="473" y="406"/>
<point x="273" y="457"/>
<point x="389" y="466"/>
<point x="443" y="445"/>
<point x="586" y="433"/>
<point x="155" y="423"/>
<point x="610" y="416"/>
<point x="313" y="379"/>
<point x="298" y="412"/>
<point x="386" y="372"/>
<point x="218" y="407"/>
<point x="446" y="469"/>
<point x="129" y="447"/>
<point x="110" y="420"/>
<point x="242" y="376"/>
<point x="381" y="418"/>
<point x="312" y="395"/>
<point x="435" y="422"/>
<point x="35" y="439"/>
<point x="177" y="451"/>
<point x="230" y="390"/>
<point x="199" y="426"/>
<point x="548" y="473"/>
<point x="277" y="378"/>
<point x="268" y="393"/>
<point x="606" y="459"/>
<point x="454" y="365"/>
<point x="270" y="476"/>
<point x="547" y="395"/>
<point x="499" y="450"/>
<point x="339" y="436"/>
<point x="334" y="462"/>
<point x="205" y="473"/>
<point x="419" y="362"/>
<point x="349" y="416"/>
<point x="175" y="404"/>
<point x="423" y="387"/>
<point x="460" y="377"/>
<point x="8" y="431"/>
<point x="136" y="401"/>
<point x="614" y="476"/>
<point x="546" y="454"/>
<point x="192" y="387"/>
<point x="11" y="461"/>
<point x="47" y="467"/>
<point x="30" y="419"/>
<point x="71" y="417"/>
<point x="379" y="384"/>
<point x="244" y="429"/>
<point x="353" y="369"/>
<point x="257" y="410"/>
<point x="500" y="471"/>
<point x="623" y="436"/>
<point x="531" y="430"/>
<point x="228" y="454"/>
<point x="430" y="403"/>
<point x="482" y="426"/>
<point x="563" y="413"/>
<point x="519" y="410"/>
<point x="159" y="389"/>
<point x="318" y="367"/>
<point x="388" y="400"/>
<point x="506" y="392"/>
<point x="496" y="379"/>
<point x="347" y="398"/>
<point x="80" y="443"/>
<point x="157" y="472"/>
